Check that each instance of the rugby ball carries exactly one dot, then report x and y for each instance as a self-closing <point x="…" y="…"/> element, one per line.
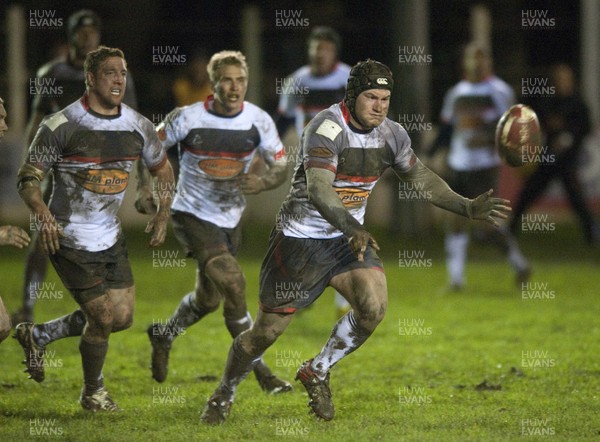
<point x="518" y="135"/>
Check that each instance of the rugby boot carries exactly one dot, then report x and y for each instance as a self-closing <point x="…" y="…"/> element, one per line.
<point x="318" y="391"/>
<point x="34" y="354"/>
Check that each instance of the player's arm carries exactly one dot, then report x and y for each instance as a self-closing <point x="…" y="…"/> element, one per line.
<point x="144" y="200"/>
<point x="28" y="184"/>
<point x="274" y="176"/>
<point x="166" y="182"/>
<point x="319" y="183"/>
<point x="484" y="207"/>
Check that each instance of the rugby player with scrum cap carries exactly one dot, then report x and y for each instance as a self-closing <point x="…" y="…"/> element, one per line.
<point x="322" y="241"/>
<point x="220" y="138"/>
<point x="90" y="146"/>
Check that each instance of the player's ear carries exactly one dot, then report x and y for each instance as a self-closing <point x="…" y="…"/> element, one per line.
<point x="89" y="79"/>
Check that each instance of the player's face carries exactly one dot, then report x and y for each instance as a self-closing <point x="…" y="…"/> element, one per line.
<point x="85" y="39"/>
<point x="477" y="66"/>
<point x="322" y="55"/>
<point x="3" y="126"/>
<point x="371" y="108"/>
<point x="230" y="90"/>
<point x="107" y="86"/>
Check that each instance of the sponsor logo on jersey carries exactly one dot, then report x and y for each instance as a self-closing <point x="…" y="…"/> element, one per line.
<point x="221" y="168"/>
<point x="103" y="181"/>
<point x="352" y="196"/>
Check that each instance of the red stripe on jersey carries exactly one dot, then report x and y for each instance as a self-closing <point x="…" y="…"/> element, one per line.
<point x="345" y="111"/>
<point x="209" y="153"/>
<point x="280" y="310"/>
<point x="99" y="160"/>
<point x="413" y="160"/>
<point x="84" y="102"/>
<point x="319" y="165"/>
<point x="280" y="155"/>
<point x="159" y="165"/>
<point x="356" y="178"/>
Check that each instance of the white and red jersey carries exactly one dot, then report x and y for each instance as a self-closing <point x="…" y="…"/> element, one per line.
<point x="91" y="156"/>
<point x="358" y="159"/>
<point x="304" y="95"/>
<point x="217" y="151"/>
<point x="473" y="109"/>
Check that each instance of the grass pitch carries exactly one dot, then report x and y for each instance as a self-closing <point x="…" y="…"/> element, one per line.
<point x="494" y="362"/>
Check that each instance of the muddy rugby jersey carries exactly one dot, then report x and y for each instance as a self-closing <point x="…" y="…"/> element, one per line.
<point x="91" y="156"/>
<point x="358" y="158"/>
<point x="216" y="151"/>
<point x="473" y="109"/>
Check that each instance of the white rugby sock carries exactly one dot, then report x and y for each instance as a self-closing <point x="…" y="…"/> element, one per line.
<point x="346" y="337"/>
<point x="340" y="301"/>
<point x="456" y="255"/>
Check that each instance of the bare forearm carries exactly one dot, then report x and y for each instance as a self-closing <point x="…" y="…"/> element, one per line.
<point x="330" y="206"/>
<point x="165" y="183"/>
<point x="274" y="177"/>
<point x="437" y="190"/>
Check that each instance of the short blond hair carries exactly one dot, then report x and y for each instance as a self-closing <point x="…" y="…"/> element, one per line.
<point x="224" y="58"/>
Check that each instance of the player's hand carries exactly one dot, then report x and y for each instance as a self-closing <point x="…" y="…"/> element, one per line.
<point x="144" y="202"/>
<point x="251" y="184"/>
<point x="49" y="231"/>
<point x="158" y="227"/>
<point x="359" y="241"/>
<point x="13" y="236"/>
<point x="489" y="209"/>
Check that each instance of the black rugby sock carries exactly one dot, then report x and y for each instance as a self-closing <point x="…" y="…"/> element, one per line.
<point x="235" y="327"/>
<point x="92" y="361"/>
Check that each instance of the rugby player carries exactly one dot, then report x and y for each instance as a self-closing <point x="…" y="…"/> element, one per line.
<point x="9" y="236"/>
<point x="90" y="147"/>
<point x="67" y="80"/>
<point x="219" y="138"/>
<point x="313" y="88"/>
<point x="470" y="112"/>
<point x="321" y="240"/>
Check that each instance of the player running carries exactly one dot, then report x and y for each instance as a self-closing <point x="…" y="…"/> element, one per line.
<point x="470" y="112"/>
<point x="321" y="241"/>
<point x="90" y="146"/>
<point x="9" y="236"/>
<point x="219" y="138"/>
<point x="313" y="88"/>
<point x="65" y="75"/>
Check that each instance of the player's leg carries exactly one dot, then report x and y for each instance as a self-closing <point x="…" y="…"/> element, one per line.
<point x="192" y="308"/>
<point x="500" y="237"/>
<point x="342" y="306"/>
<point x="366" y="290"/>
<point x="456" y="239"/>
<point x="111" y="310"/>
<point x="202" y="240"/>
<point x="456" y="243"/>
<point x="226" y="274"/>
<point x="246" y="350"/>
<point x="568" y="176"/>
<point x="4" y="322"/>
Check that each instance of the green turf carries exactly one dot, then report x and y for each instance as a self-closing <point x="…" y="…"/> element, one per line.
<point x="537" y="360"/>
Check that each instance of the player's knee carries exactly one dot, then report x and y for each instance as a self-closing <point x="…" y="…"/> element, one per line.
<point x="122" y="321"/>
<point x="370" y="315"/>
<point x="225" y="272"/>
<point x="206" y="301"/>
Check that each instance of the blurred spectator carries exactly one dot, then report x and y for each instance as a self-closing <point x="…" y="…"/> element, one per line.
<point x="193" y="85"/>
<point x="564" y="118"/>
